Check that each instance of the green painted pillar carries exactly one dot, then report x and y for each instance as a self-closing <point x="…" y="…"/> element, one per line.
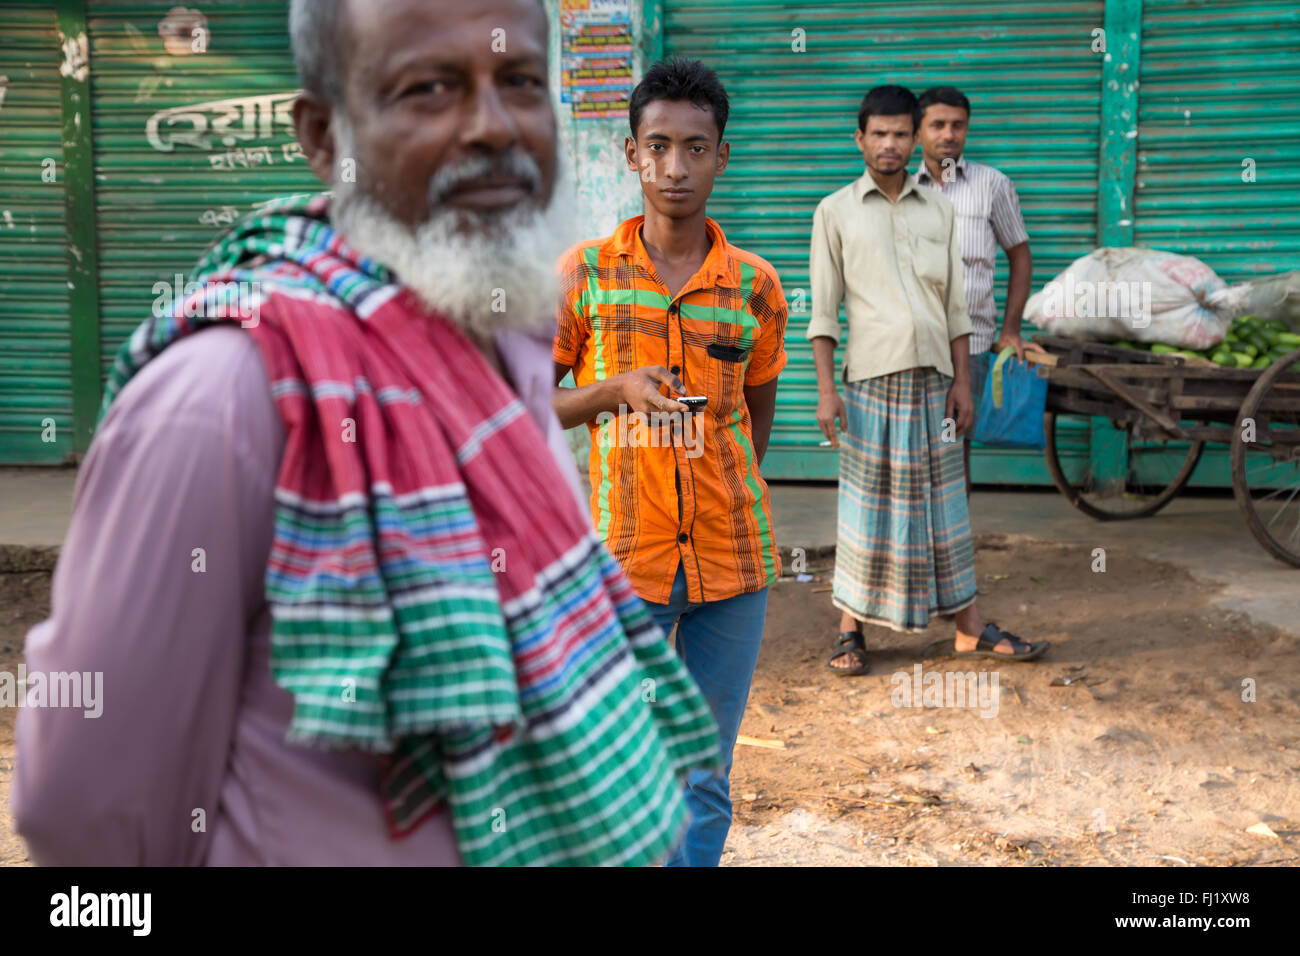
<point x="79" y="192"/>
<point x="1116" y="188"/>
<point x="1117" y="162"/>
<point x="651" y="40"/>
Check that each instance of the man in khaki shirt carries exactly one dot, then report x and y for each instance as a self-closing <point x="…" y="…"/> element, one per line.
<point x="889" y="252"/>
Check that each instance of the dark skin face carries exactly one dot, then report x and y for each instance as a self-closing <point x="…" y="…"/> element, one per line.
<point x="886" y="143"/>
<point x="678" y="155"/>
<point x="425" y="88"/>
<point x="943" y="133"/>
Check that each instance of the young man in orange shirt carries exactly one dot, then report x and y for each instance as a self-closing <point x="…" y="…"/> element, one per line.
<point x="667" y="305"/>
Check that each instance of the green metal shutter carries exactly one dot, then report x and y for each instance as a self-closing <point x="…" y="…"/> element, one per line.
<point x="1034" y="85"/>
<point x="35" y="369"/>
<point x="1220" y="84"/>
<point x="161" y="190"/>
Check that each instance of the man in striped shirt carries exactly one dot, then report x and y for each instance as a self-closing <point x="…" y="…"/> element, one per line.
<point x="988" y="216"/>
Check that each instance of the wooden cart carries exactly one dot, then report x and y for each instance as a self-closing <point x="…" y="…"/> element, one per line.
<point x="1126" y="428"/>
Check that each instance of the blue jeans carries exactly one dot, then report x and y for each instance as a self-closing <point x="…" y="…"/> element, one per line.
<point x="718" y="642"/>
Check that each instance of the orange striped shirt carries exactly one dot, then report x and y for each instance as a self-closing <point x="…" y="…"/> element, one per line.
<point x="695" y="497"/>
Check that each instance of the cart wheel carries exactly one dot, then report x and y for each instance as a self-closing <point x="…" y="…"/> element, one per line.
<point x="1266" y="471"/>
<point x="1110" y="475"/>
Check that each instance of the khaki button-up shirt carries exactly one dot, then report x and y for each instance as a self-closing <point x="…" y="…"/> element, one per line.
<point x="897" y="267"/>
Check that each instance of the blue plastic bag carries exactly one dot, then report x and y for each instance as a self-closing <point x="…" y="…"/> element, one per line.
<point x="1009" y="403"/>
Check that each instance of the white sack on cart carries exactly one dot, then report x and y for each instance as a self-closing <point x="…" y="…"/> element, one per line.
<point x="1143" y="295"/>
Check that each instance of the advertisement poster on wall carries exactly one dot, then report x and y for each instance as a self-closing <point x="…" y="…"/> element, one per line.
<point x="596" y="47"/>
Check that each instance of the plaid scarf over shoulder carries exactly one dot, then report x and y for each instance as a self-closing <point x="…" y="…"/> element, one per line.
<point x="436" y="593"/>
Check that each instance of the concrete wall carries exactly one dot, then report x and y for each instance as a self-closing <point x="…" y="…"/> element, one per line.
<point x="606" y="191"/>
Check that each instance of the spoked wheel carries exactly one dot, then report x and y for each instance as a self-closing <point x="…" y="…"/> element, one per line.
<point x="1109" y="473"/>
<point x="1266" y="460"/>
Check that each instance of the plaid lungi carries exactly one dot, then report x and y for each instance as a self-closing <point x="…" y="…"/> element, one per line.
<point x="904" y="544"/>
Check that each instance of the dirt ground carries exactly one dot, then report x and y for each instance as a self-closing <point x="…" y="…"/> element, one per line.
<point x="24" y="601"/>
<point x="1149" y="755"/>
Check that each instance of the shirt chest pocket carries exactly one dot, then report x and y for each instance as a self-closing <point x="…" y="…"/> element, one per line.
<point x="977" y="239"/>
<point x="931" y="259"/>
<point x="974" y="205"/>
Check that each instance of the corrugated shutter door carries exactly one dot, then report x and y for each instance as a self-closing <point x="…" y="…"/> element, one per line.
<point x="1220" y="85"/>
<point x="1034" y="85"/>
<point x="168" y="183"/>
<point x="35" y="372"/>
<point x="1220" y="94"/>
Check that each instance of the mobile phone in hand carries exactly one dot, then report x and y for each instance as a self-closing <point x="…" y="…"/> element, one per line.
<point x="695" y="403"/>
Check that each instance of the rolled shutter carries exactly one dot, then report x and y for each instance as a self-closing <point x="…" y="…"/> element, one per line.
<point x="35" y="370"/>
<point x="185" y="139"/>
<point x="1034" y="85"/>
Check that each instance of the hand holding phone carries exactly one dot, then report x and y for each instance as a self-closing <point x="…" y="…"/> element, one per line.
<point x="639" y="390"/>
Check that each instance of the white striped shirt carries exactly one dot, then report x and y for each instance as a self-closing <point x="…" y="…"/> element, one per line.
<point x="988" y="215"/>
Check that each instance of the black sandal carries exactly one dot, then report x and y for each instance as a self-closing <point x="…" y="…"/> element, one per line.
<point x="1020" y="650"/>
<point x="851" y="643"/>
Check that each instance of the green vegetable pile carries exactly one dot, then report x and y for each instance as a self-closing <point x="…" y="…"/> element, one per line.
<point x="1249" y="343"/>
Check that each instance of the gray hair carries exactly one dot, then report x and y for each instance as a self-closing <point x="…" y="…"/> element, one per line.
<point x="313" y="31"/>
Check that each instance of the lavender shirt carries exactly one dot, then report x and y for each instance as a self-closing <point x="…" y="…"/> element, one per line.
<point x="187" y="763"/>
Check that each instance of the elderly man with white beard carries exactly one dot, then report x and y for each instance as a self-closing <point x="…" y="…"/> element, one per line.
<point x="328" y="548"/>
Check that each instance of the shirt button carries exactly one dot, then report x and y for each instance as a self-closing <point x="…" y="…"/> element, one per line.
<point x="683" y="537"/>
<point x="676" y="370"/>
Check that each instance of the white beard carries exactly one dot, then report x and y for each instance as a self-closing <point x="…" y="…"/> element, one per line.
<point x="498" y="274"/>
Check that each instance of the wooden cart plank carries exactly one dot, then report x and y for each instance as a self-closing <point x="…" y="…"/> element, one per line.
<point x="1230" y="403"/>
<point x="1130" y="395"/>
<point x="1151" y="394"/>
